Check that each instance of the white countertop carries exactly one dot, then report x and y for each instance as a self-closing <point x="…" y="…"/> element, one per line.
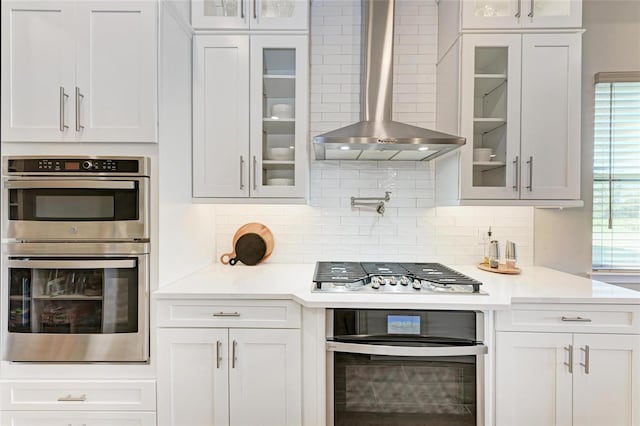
<point x="293" y="281"/>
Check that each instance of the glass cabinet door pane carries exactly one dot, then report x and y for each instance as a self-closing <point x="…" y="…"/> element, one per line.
<point x="278" y="8"/>
<point x="551" y="8"/>
<point x="73" y="300"/>
<point x="492" y="8"/>
<point x="279" y="122"/>
<point x="221" y="7"/>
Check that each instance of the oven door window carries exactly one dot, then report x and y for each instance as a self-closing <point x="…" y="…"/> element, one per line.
<point x="88" y="296"/>
<point x="390" y="390"/>
<point x="73" y="204"/>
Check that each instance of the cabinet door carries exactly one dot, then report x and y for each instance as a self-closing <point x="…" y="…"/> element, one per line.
<point x="37" y="70"/>
<point x="220" y="14"/>
<point x="533" y="382"/>
<point x="279" y="14"/>
<point x="490" y="115"/>
<point x="115" y="93"/>
<point x="71" y="418"/>
<point x="551" y="13"/>
<point x="606" y="384"/>
<point x="193" y="377"/>
<point x="265" y="377"/>
<point x="491" y="13"/>
<point x="279" y="87"/>
<point x="550" y="145"/>
<point x="221" y="116"/>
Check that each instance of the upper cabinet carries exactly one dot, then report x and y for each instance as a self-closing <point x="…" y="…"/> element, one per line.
<point x="79" y="71"/>
<point x="250" y="14"/>
<point x="489" y="14"/>
<point x="250" y="116"/>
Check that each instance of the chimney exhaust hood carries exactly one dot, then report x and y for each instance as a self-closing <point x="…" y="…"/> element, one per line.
<point x="377" y="136"/>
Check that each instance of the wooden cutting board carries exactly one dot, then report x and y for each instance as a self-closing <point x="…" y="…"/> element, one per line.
<point x="501" y="269"/>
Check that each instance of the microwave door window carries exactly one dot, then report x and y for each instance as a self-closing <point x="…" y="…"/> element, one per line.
<point x="62" y="207"/>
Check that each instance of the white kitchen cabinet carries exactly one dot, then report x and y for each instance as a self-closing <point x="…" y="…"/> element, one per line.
<point x="492" y="14"/>
<point x="557" y="377"/>
<point x="243" y="376"/>
<point x="250" y="116"/>
<point x="250" y="14"/>
<point x="79" y="71"/>
<point x="48" y="418"/>
<point x="519" y="95"/>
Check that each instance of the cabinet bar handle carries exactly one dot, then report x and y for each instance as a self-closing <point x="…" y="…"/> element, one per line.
<point x="69" y="398"/>
<point x="241" y="172"/>
<point x="530" y="163"/>
<point x="255" y="164"/>
<point x="517" y="172"/>
<point x="530" y="15"/>
<point x="242" y="9"/>
<point x="78" y="97"/>
<point x="63" y="95"/>
<point x="226" y="314"/>
<point x="517" y="15"/>
<point x="570" y="363"/>
<point x="586" y="359"/>
<point x="218" y="357"/>
<point x="233" y="354"/>
<point x="255" y="10"/>
<point x="575" y="319"/>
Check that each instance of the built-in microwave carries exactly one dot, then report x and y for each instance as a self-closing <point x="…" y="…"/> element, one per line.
<point x="75" y="198"/>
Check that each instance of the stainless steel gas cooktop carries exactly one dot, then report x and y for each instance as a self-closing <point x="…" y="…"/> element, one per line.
<point x="391" y="277"/>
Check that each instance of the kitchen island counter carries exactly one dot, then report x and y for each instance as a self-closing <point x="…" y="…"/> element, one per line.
<point x="293" y="281"/>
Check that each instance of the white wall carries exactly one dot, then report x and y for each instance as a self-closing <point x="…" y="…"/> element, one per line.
<point x="611" y="43"/>
<point x="411" y="229"/>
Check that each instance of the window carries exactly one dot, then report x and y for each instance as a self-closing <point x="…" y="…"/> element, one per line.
<point x="616" y="172"/>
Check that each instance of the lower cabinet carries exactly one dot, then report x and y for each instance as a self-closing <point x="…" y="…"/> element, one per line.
<point x="558" y="379"/>
<point x="227" y="376"/>
<point x="71" y="418"/>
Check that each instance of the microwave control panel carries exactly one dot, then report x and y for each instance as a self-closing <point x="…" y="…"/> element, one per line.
<point x="73" y="165"/>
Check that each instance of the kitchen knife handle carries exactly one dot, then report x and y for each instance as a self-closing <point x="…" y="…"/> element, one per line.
<point x="78" y="97"/>
<point x="570" y="363"/>
<point x="63" y="96"/>
<point x="586" y="359"/>
<point x="241" y="172"/>
<point x="234" y="358"/>
<point x="516" y="164"/>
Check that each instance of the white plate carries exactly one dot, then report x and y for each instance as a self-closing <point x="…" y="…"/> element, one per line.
<point x="280" y="182"/>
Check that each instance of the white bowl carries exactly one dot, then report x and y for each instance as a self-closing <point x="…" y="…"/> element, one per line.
<point x="483" y="154"/>
<point x="281" y="154"/>
<point x="280" y="181"/>
<point x="281" y="111"/>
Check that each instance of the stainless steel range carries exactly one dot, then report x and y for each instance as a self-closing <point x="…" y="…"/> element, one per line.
<point x="391" y="277"/>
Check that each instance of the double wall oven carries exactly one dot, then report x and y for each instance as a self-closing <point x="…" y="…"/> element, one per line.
<point x="75" y="285"/>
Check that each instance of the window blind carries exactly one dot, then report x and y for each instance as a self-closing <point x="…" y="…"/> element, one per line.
<point x="616" y="172"/>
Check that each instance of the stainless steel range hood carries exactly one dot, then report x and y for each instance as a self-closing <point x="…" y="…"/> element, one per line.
<point x="376" y="136"/>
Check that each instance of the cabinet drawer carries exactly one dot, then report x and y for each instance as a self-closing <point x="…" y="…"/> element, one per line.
<point x="571" y="318"/>
<point x="78" y="395"/>
<point x="229" y="313"/>
<point x="71" y="418"/>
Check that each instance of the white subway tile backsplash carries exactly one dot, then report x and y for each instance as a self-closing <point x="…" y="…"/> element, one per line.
<point x="412" y="229"/>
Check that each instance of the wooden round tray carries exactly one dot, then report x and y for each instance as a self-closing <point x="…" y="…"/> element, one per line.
<point x="501" y="269"/>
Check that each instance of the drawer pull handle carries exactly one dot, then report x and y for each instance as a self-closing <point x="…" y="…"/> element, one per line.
<point x="586" y="359"/>
<point x="226" y="314"/>
<point x="576" y="319"/>
<point x="570" y="363"/>
<point x="70" y="398"/>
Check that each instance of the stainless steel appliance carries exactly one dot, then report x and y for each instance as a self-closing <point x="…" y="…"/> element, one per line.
<point x="76" y="198"/>
<point x="75" y="281"/>
<point x="405" y="367"/>
<point x="392" y="278"/>
<point x="76" y="302"/>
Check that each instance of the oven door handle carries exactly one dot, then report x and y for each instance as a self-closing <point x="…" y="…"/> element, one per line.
<point x="72" y="264"/>
<point x="357" y="348"/>
<point x="82" y="184"/>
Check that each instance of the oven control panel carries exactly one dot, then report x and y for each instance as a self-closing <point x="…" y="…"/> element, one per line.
<point x="73" y="165"/>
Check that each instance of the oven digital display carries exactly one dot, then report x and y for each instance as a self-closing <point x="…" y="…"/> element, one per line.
<point x="72" y="165"/>
<point x="403" y="324"/>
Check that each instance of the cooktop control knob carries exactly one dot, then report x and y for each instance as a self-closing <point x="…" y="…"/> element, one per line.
<point x="375" y="283"/>
<point x="404" y="281"/>
<point x="382" y="281"/>
<point x="393" y="281"/>
<point x="417" y="285"/>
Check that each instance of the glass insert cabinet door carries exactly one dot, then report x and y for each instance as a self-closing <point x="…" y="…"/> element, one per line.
<point x="254" y="14"/>
<point x="522" y="13"/>
<point x="278" y="114"/>
<point x="74" y="296"/>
